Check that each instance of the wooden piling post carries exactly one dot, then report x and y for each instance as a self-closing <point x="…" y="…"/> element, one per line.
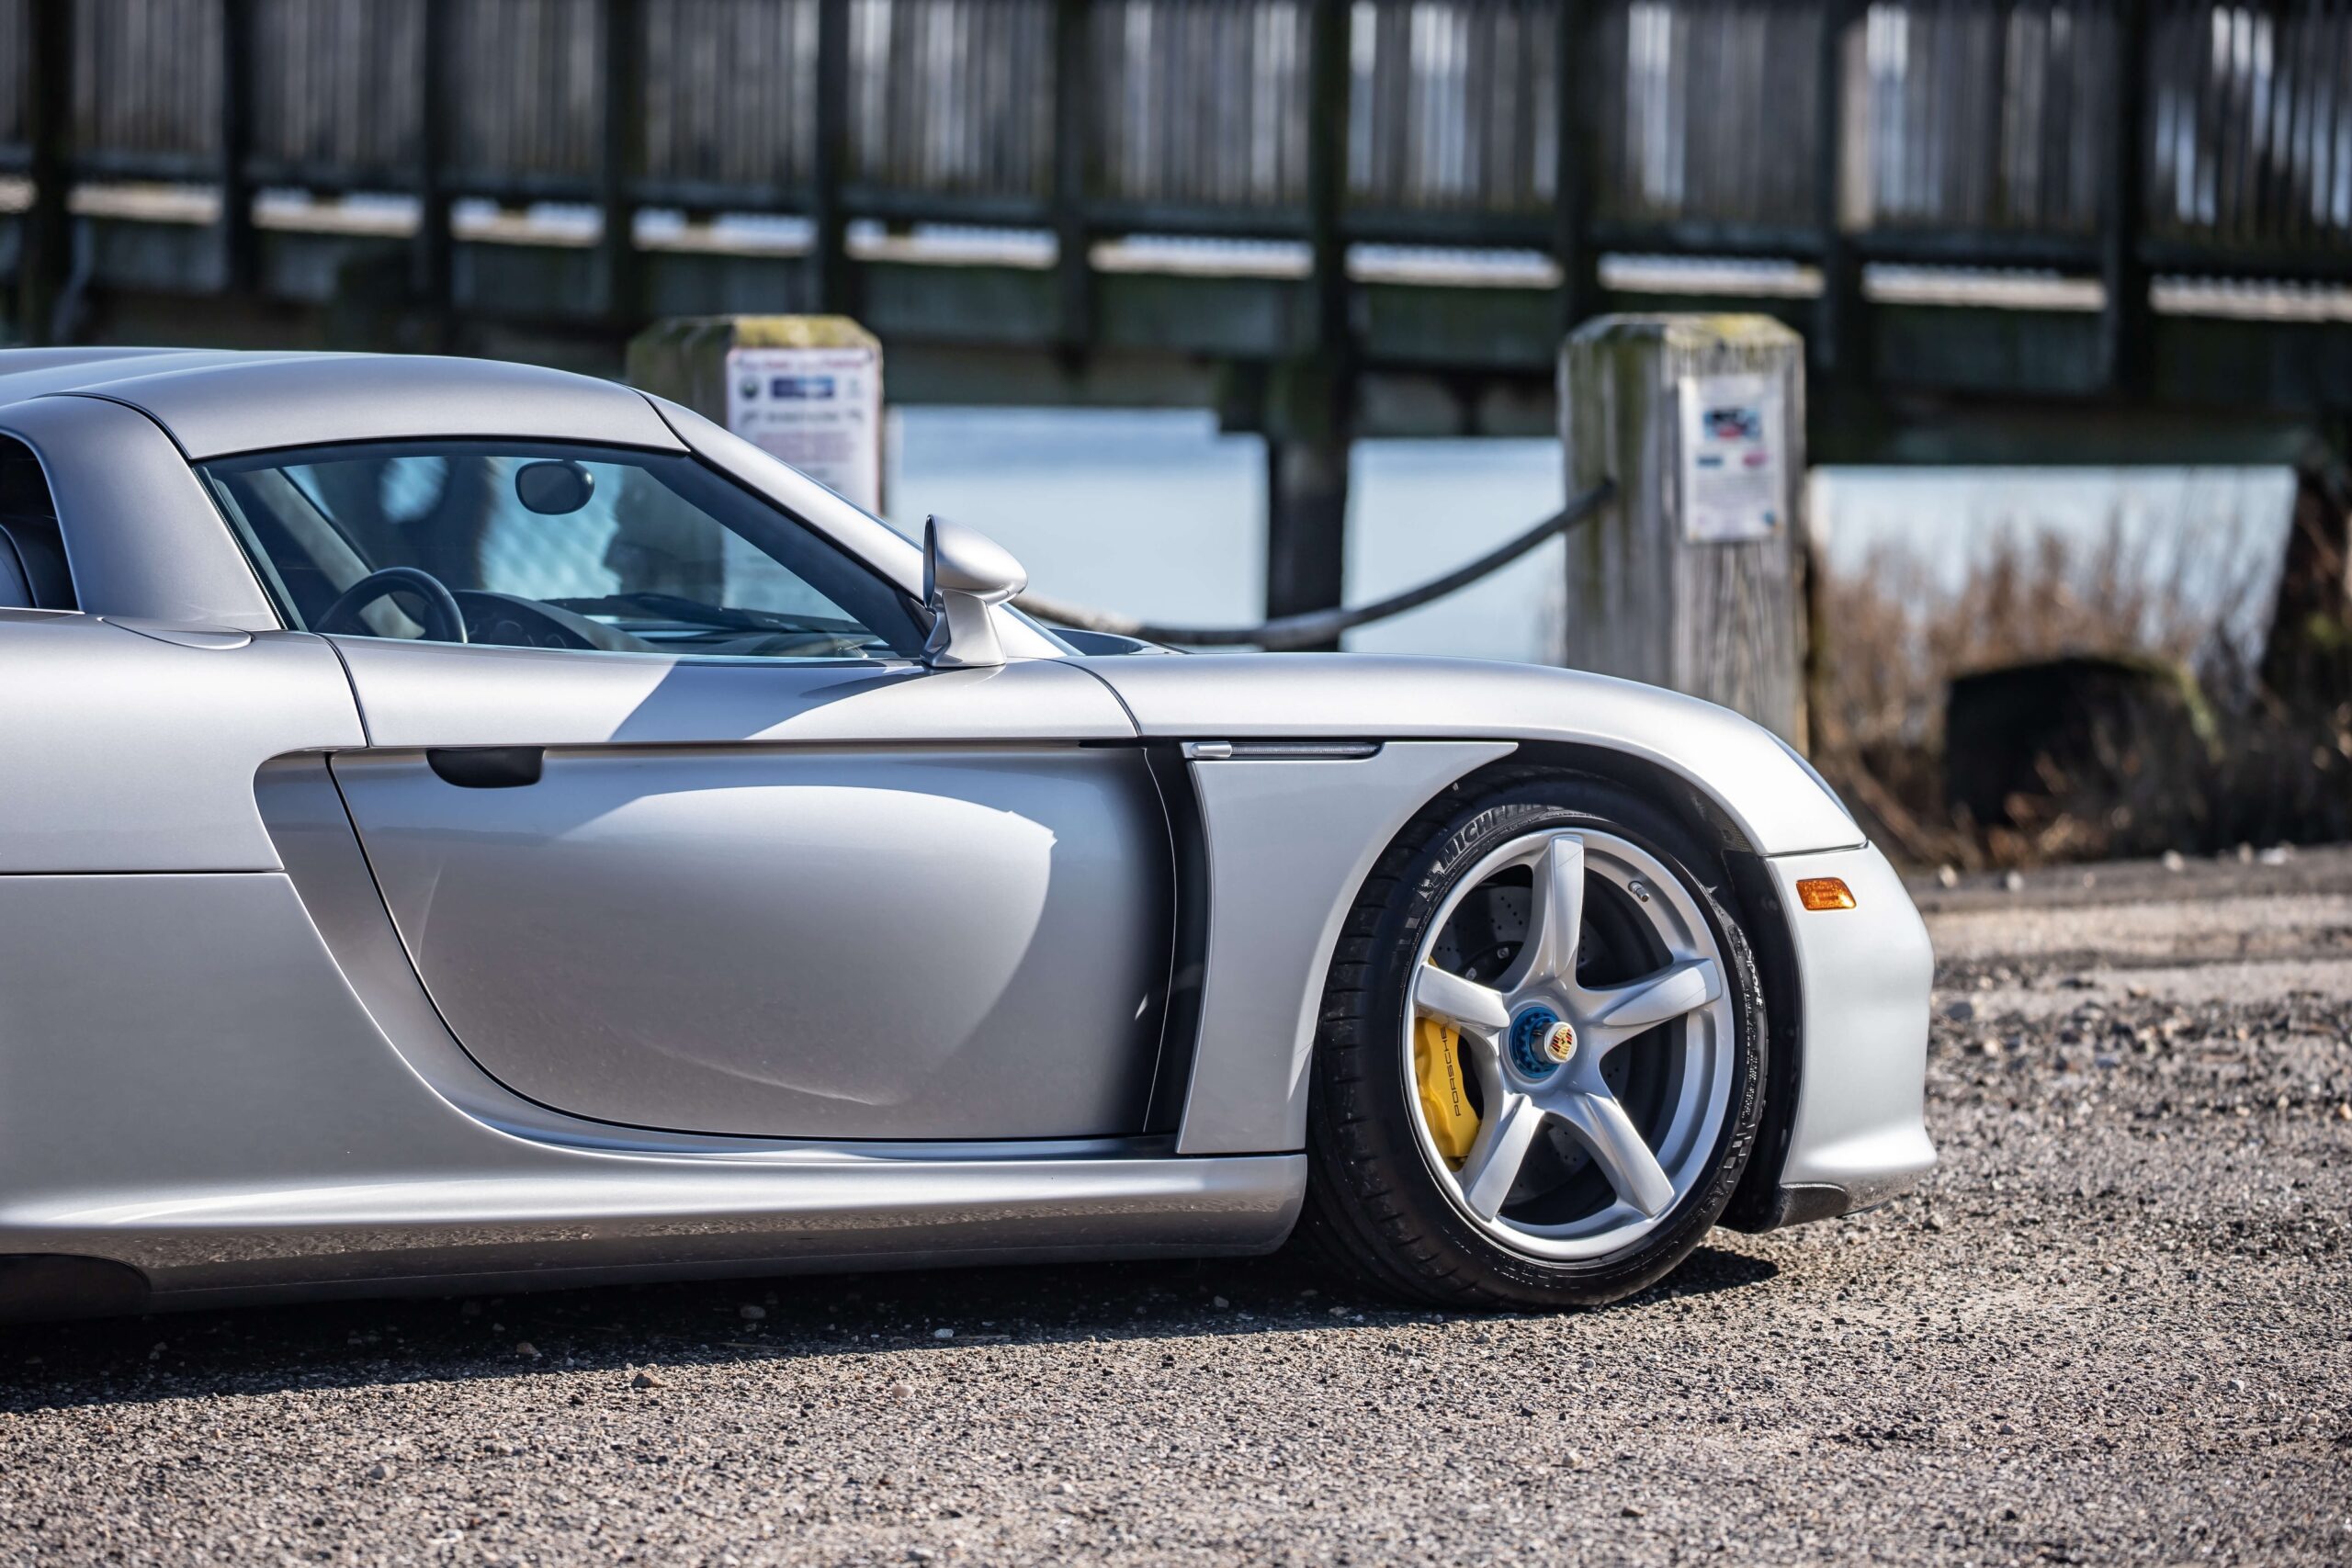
<point x="831" y="283"/>
<point x="46" y="259"/>
<point x="431" y="255"/>
<point x="1692" y="576"/>
<point x="623" y="140"/>
<point x="1310" y="411"/>
<point x="1842" y="316"/>
<point x="808" y="388"/>
<point x="2126" y="316"/>
<point x="240" y="251"/>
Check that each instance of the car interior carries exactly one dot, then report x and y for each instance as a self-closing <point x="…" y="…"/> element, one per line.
<point x="550" y="545"/>
<point x="33" y="573"/>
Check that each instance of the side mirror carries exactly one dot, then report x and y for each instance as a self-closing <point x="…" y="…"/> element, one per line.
<point x="965" y="572"/>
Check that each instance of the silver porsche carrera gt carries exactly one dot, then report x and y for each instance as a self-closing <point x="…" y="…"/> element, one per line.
<point x="470" y="826"/>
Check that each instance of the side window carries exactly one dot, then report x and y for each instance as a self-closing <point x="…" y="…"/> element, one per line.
<point x="550" y="547"/>
<point x="33" y="573"/>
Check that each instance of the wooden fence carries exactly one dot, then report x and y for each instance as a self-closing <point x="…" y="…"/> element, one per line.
<point x="2102" y="136"/>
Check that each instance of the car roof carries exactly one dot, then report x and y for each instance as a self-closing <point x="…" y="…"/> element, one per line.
<point x="217" y="403"/>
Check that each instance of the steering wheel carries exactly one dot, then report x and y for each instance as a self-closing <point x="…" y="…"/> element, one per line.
<point x="442" y="620"/>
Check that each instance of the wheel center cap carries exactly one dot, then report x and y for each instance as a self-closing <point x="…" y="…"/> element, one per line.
<point x="1541" y="1040"/>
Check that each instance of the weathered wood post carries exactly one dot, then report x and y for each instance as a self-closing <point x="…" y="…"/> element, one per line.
<point x="1694" y="575"/>
<point x="809" y="388"/>
<point x="46" y="255"/>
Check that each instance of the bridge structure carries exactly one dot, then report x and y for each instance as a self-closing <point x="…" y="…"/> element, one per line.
<point x="2011" y="231"/>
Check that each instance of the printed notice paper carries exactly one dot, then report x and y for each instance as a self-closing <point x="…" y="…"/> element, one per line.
<point x="1735" y="485"/>
<point x="818" y="408"/>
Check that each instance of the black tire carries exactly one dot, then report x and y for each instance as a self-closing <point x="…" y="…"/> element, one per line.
<point x="1372" y="1203"/>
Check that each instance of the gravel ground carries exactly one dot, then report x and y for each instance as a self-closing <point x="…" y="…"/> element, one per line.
<point x="2116" y="1327"/>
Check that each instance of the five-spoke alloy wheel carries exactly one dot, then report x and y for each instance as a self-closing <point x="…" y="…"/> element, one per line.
<point x="1543" y="1059"/>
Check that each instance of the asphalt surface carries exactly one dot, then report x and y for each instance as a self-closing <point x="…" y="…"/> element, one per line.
<point x="2115" y="1327"/>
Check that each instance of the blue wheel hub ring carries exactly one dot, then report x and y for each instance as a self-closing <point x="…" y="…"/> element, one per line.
<point x="1528" y="1032"/>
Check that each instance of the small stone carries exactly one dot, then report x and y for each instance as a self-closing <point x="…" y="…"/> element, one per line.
<point x="1947" y="877"/>
<point x="1339" y="1312"/>
<point x="2344" y="1111"/>
<point x="2277" y="855"/>
<point x="2173" y="861"/>
<point x="1632" y="1511"/>
<point x="2013" y="882"/>
<point x="2245" y="854"/>
<point x="1219" y="1303"/>
<point x="1961" y="1012"/>
<point x="750" y="1314"/>
<point x="380" y="1471"/>
<point x="942" y="1334"/>
<point x="902" y="1389"/>
<point x="525" y="1349"/>
<point x="646" y="1379"/>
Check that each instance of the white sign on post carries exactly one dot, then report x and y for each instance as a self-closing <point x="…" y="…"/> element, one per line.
<point x="818" y="408"/>
<point x="1735" y="485"/>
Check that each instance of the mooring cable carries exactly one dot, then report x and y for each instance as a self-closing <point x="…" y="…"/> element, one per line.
<point x="1324" y="625"/>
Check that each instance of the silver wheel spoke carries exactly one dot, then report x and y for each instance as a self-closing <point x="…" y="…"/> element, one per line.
<point x="1556" y="914"/>
<point x="1623" y="1012"/>
<point x="1600" y="1123"/>
<point x="1487" y="1176"/>
<point x="1465" y="1003"/>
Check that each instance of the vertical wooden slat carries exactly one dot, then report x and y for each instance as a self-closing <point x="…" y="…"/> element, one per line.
<point x="1837" y="342"/>
<point x="46" y="257"/>
<point x="2124" y="318"/>
<point x="1572" y="67"/>
<point x="618" y="153"/>
<point x="431" y="255"/>
<point x="1307" y="447"/>
<point x="830" y="254"/>
<point x="240" y="255"/>
<point x="1073" y="122"/>
<point x="1328" y="81"/>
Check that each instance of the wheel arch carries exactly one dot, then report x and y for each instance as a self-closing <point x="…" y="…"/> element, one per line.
<point x="1743" y="883"/>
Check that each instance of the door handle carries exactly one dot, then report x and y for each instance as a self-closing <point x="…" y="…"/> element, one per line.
<point x="487" y="767"/>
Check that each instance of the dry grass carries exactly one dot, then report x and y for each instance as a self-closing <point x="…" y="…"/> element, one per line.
<point x="1895" y="636"/>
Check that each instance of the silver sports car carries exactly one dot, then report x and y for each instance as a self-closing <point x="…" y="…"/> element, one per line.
<point x="470" y="826"/>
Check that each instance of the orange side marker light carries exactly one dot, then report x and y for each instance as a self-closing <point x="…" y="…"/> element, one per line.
<point x="1825" y="893"/>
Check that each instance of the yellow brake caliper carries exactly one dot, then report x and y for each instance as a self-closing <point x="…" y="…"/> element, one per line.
<point x="1445" y="1103"/>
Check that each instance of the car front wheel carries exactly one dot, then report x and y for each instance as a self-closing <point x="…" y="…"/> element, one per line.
<point x="1541" y="1066"/>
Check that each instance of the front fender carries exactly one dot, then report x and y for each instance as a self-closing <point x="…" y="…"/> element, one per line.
<point x="1759" y="785"/>
<point x="1290" y="840"/>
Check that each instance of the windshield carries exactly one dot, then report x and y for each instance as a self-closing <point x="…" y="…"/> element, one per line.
<point x="550" y="545"/>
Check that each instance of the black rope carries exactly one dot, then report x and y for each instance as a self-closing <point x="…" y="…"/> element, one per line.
<point x="1324" y="625"/>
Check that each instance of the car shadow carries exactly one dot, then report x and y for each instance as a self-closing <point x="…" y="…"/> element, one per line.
<point x="624" y="1330"/>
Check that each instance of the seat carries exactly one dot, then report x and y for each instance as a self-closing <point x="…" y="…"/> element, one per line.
<point x="15" y="588"/>
<point x="33" y="573"/>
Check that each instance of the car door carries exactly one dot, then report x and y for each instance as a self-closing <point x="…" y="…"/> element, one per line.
<point x="684" y="837"/>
